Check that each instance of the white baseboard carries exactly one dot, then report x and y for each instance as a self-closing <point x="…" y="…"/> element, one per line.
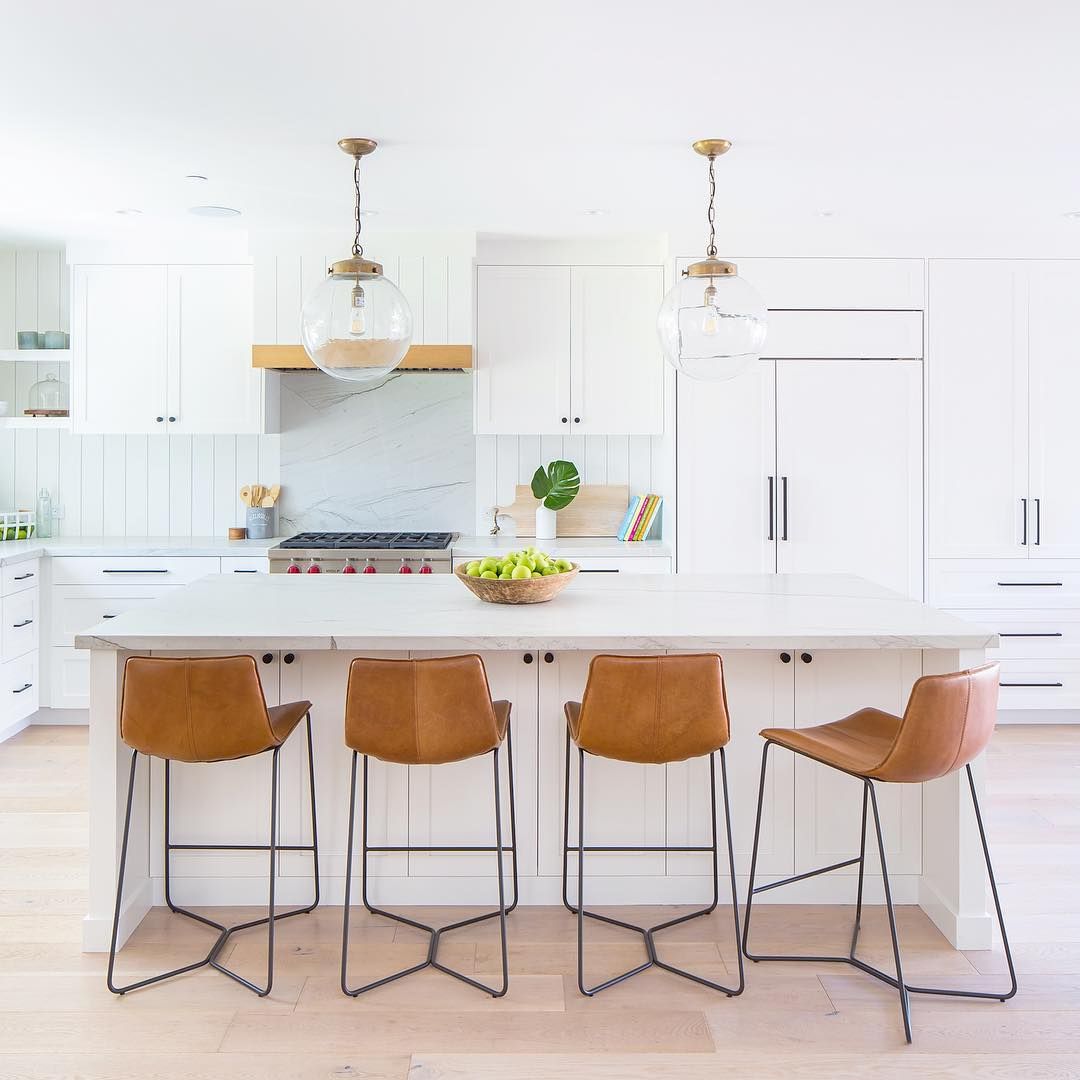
<point x="61" y="716"/>
<point x="97" y="932"/>
<point x="1038" y="716"/>
<point x="13" y="727"/>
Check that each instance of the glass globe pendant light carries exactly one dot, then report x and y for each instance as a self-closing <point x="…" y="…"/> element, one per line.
<point x="356" y="325"/>
<point x="712" y="323"/>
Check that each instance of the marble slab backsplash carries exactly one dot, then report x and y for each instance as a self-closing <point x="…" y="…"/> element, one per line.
<point x="401" y="455"/>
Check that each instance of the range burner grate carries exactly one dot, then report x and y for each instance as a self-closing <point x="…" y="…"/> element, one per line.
<point x="369" y="541"/>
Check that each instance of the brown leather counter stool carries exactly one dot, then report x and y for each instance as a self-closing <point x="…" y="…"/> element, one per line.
<point x="202" y="710"/>
<point x="426" y="712"/>
<point x="649" y="710"/>
<point x="947" y="723"/>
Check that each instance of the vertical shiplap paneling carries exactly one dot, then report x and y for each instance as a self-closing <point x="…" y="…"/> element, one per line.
<point x="640" y="464"/>
<point x="225" y="487"/>
<point x="26" y="263"/>
<point x="70" y="503"/>
<point x="93" y="485"/>
<point x="247" y="461"/>
<point x="136" y="485"/>
<point x="411" y="282"/>
<point x="288" y="301"/>
<point x="48" y="463"/>
<point x="202" y="485"/>
<point x="313" y="269"/>
<point x="25" y="469"/>
<point x="49" y="265"/>
<point x="593" y="463"/>
<point x="114" y="485"/>
<point x="506" y="470"/>
<point x="436" y="272"/>
<point x="459" y="290"/>
<point x="158" y="486"/>
<point x="179" y="485"/>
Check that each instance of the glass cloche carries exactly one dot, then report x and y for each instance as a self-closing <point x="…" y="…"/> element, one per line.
<point x="48" y="396"/>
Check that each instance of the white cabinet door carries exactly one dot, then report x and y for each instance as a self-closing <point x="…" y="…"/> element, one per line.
<point x="523" y="350"/>
<point x="1054" y="388"/>
<point x="978" y="409"/>
<point x="119" y="337"/>
<point x="616" y="366"/>
<point x="454" y="804"/>
<point x="213" y="388"/>
<point x="760" y="693"/>
<point x="624" y="802"/>
<point x="833" y="685"/>
<point x="849" y="464"/>
<point x="726" y="446"/>
<point x="838" y="335"/>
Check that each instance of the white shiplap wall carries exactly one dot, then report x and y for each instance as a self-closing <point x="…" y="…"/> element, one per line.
<point x="111" y="485"/>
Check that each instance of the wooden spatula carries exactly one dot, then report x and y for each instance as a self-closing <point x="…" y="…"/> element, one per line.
<point x="245" y="495"/>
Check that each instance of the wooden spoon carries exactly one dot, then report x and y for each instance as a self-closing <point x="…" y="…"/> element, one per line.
<point x="245" y="495"/>
<point x="275" y="491"/>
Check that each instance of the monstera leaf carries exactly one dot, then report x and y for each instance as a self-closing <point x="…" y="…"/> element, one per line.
<point x="556" y="485"/>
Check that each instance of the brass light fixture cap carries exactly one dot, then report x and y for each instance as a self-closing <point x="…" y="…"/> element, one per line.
<point x="712" y="147"/>
<point x="711" y="268"/>
<point x="356" y="266"/>
<point x="357" y="148"/>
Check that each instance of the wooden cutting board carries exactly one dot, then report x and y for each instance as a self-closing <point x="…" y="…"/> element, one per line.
<point x="598" y="510"/>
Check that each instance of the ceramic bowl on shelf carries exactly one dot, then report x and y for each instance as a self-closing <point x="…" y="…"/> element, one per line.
<point x="534" y="590"/>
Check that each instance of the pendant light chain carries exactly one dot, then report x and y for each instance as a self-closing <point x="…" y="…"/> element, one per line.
<point x="357" y="247"/>
<point x="711" y="250"/>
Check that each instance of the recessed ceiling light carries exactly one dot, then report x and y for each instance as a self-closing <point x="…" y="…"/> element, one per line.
<point x="214" y="211"/>
<point x="594" y="211"/>
<point x="826" y="213"/>
<point x="127" y="212"/>
<point x="197" y="178"/>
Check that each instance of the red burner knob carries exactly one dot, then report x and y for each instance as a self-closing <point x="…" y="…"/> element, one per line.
<point x="314" y="568"/>
<point x="425" y="567"/>
<point x="348" y="568"/>
<point x="292" y="568"/>
<point x="370" y="568"/>
<point x="404" y="568"/>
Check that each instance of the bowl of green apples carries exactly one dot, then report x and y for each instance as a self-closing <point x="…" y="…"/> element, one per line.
<point x="528" y="576"/>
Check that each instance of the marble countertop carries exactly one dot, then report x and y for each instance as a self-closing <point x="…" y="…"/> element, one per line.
<point x="652" y="611"/>
<point x="13" y="551"/>
<point x="471" y="547"/>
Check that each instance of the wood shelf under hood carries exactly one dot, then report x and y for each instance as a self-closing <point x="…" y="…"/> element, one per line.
<point x="418" y="358"/>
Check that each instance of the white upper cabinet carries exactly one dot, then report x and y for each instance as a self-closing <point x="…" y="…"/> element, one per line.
<point x="836" y="284"/>
<point x="164" y="349"/>
<point x="568" y="350"/>
<point x="616" y="366"/>
<point x="522" y="350"/>
<point x="839" y="335"/>
<point x="212" y="386"/>
<point x="119" y="338"/>
<point x="1054" y="390"/>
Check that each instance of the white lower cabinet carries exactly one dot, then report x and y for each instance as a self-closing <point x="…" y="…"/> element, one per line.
<point x="20" y="623"/>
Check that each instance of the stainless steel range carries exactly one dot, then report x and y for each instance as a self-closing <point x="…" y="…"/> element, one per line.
<point x="363" y="553"/>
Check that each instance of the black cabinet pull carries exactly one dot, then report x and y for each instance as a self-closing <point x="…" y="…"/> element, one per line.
<point x="1049" y="684"/>
<point x="245" y="571"/>
<point x="1031" y="584"/>
<point x="289" y="657"/>
<point x="25" y="686"/>
<point x="160" y="419"/>
<point x="172" y="419"/>
<point x="785" y="658"/>
<point x="1038" y="521"/>
<point x="1055" y="633"/>
<point x="577" y="419"/>
<point x="566" y="420"/>
<point x="108" y="616"/>
<point x="23" y="577"/>
<point x="783" y="497"/>
<point x="528" y="658"/>
<point x="134" y="571"/>
<point x="549" y="658"/>
<point x="267" y="657"/>
<point x="806" y="658"/>
<point x="1023" y="511"/>
<point x="595" y="570"/>
<point x="772" y="508"/>
<point x="19" y="625"/>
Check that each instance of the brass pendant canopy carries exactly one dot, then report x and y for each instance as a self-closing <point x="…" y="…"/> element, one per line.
<point x="356" y="148"/>
<point x="711" y="267"/>
<point x="712" y="147"/>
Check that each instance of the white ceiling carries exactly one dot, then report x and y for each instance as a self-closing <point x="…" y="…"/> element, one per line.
<point x="907" y="121"/>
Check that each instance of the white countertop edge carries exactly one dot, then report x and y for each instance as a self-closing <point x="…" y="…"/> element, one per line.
<point x="14" y="551"/>
<point x="470" y="547"/>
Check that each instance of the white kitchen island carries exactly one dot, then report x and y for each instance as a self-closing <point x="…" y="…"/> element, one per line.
<point x="798" y="650"/>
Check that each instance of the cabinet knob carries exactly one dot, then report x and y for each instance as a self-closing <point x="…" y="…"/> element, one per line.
<point x="160" y="419"/>
<point x="565" y="419"/>
<point x="806" y="658"/>
<point x="267" y="657"/>
<point x="289" y="657"/>
<point x="549" y="658"/>
<point x="172" y="419"/>
<point x="528" y="658"/>
<point x="577" y="419"/>
<point x="785" y="658"/>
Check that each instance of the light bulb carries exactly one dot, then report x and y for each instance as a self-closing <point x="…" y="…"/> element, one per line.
<point x="357" y="320"/>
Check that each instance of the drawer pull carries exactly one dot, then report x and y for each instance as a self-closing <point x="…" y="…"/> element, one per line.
<point x="24" y="687"/>
<point x="23" y="577"/>
<point x="597" y="571"/>
<point x="1056" y="633"/>
<point x="134" y="571"/>
<point x="20" y="625"/>
<point x="113" y="617"/>
<point x="1051" y="684"/>
<point x="245" y="571"/>
<point x="1030" y="584"/>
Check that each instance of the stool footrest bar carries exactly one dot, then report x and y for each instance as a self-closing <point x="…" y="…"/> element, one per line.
<point x="804" y="876"/>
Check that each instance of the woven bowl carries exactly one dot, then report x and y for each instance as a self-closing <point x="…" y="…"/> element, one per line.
<point x="534" y="590"/>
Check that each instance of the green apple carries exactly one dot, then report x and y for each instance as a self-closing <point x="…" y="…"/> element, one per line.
<point x="488" y="564"/>
<point x="563" y="565"/>
<point x="527" y="561"/>
<point x="473" y="568"/>
<point x="549" y="570"/>
<point x="521" y="572"/>
<point x="490" y="574"/>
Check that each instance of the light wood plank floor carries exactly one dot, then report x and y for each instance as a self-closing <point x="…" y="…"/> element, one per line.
<point x="58" y="1020"/>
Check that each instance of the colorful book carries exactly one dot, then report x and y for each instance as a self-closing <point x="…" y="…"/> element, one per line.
<point x="638" y="513"/>
<point x="631" y="516"/>
<point x="647" y="517"/>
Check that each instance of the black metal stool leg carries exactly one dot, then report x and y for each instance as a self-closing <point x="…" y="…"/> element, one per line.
<point x="648" y="932"/>
<point x="434" y="933"/>
<point x="566" y="828"/>
<point x="897" y="982"/>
